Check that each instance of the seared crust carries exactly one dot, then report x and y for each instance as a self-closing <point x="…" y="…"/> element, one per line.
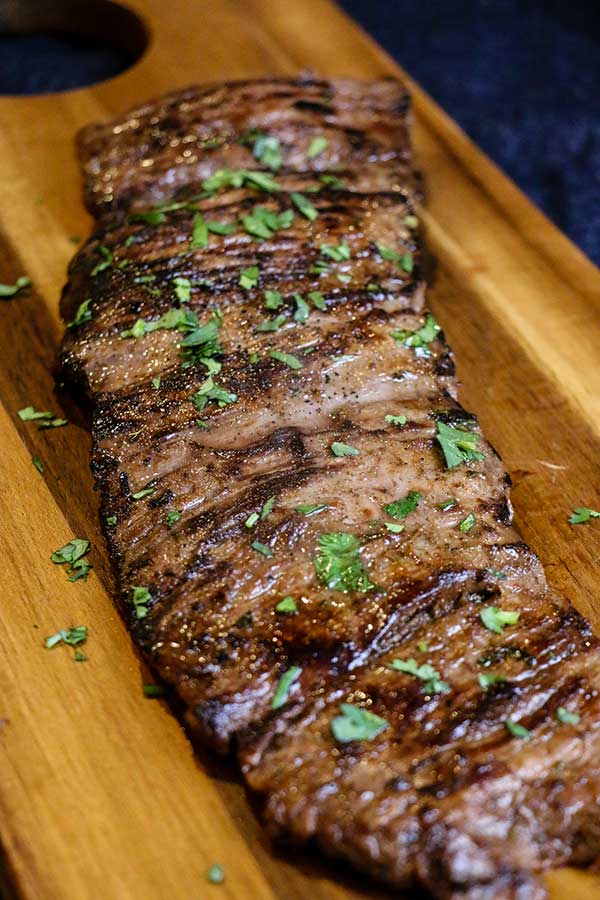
<point x="327" y="344"/>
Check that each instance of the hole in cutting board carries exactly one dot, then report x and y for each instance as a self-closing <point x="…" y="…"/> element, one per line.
<point x="48" y="46"/>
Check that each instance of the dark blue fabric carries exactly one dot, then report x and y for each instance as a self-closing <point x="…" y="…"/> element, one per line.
<point x="522" y="77"/>
<point x="41" y="63"/>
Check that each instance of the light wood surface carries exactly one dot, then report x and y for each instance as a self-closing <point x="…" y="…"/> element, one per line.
<point x="100" y="794"/>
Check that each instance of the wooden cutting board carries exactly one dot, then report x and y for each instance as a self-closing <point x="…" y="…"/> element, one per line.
<point x="100" y="793"/>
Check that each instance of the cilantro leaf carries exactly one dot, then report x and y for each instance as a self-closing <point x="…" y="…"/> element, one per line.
<point x="203" y="344"/>
<point x="304" y="206"/>
<point x="287" y="606"/>
<point x="107" y="260"/>
<point x="496" y="619"/>
<point x="395" y="420"/>
<point x="215" y="874"/>
<point x="273" y="299"/>
<point x="307" y="509"/>
<point x="183" y="319"/>
<point x="566" y="717"/>
<point x="340" y="449"/>
<point x="271" y="324"/>
<point x="394" y="527"/>
<point x="267" y="150"/>
<point x="283" y="688"/>
<point x="262" y="548"/>
<point x="172" y="517"/>
<point x="338" y="253"/>
<point x="140" y="598"/>
<point x="403" y="260"/>
<point x="82" y="314"/>
<point x="144" y="492"/>
<point x="338" y="563"/>
<point x="212" y="392"/>
<point x="458" y="445"/>
<point x="292" y="361"/>
<point x="401" y="508"/>
<point x="316" y="146"/>
<point x="356" y="724"/>
<point x="583" y="514"/>
<point x="430" y="677"/>
<point x="72" y="637"/>
<point x="517" y="730"/>
<point x="467" y="523"/>
<point x="421" y="337"/>
<point x="487" y="679"/>
<point x="72" y="555"/>
<point x="249" y="277"/>
<point x="11" y="290"/>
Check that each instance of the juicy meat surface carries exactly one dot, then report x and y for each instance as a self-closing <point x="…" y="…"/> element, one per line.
<point x="313" y="540"/>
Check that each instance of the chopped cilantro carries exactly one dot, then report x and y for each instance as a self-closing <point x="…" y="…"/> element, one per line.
<point x="356" y="724"/>
<point x="183" y="289"/>
<point x="394" y="527"/>
<point x="38" y="464"/>
<point x="517" y="730"/>
<point x="316" y="146"/>
<point x="172" y="517"/>
<point x="566" y="717"/>
<point x="266" y="149"/>
<point x="249" y="277"/>
<point x="212" y="392"/>
<point x="46" y="419"/>
<point x="304" y="206"/>
<point x="202" y="345"/>
<point x="263" y="223"/>
<point x="215" y="874"/>
<point x="199" y="232"/>
<point x="487" y="679"/>
<point x="72" y="637"/>
<point x="271" y="324"/>
<point x="72" y="555"/>
<point x="230" y="178"/>
<point x="262" y="548"/>
<point x="404" y="260"/>
<point x="423" y="646"/>
<point x="292" y="361"/>
<point x="401" y="508"/>
<point x="396" y="420"/>
<point x="339" y="449"/>
<point x="267" y="507"/>
<point x="583" y="514"/>
<point x="332" y="181"/>
<point x="111" y="520"/>
<point x="153" y="691"/>
<point x="496" y="619"/>
<point x="467" y="523"/>
<point x="82" y="314"/>
<point x="287" y="606"/>
<point x="140" y="598"/>
<point x="11" y="290"/>
<point x="156" y="382"/>
<point x="338" y="254"/>
<point x="421" y="338"/>
<point x="252" y="520"/>
<point x="432" y="682"/>
<point x="283" y="688"/>
<point x="145" y="492"/>
<point x="338" y="563"/>
<point x="317" y="299"/>
<point x="302" y="309"/>
<point x="106" y="261"/>
<point x="458" y="445"/>
<point x="183" y="319"/>
<point x="307" y="509"/>
<point x="273" y="299"/>
<point x="448" y="504"/>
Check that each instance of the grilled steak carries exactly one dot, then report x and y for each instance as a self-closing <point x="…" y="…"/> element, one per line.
<point x="313" y="540"/>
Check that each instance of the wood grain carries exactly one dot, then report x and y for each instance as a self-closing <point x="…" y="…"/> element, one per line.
<point x="100" y="793"/>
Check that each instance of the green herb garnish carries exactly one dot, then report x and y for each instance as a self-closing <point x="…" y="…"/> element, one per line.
<point x="317" y="299"/>
<point x="395" y="420"/>
<point x="271" y="324"/>
<point x="140" y="598"/>
<point x="262" y="548"/>
<point x="249" y="277"/>
<point x="304" y="206"/>
<point x="145" y="492"/>
<point x="421" y="338"/>
<point x="487" y="679"/>
<point x="339" y="449"/>
<point x="292" y="361"/>
<point x="153" y="691"/>
<point x="432" y="682"/>
<point x="316" y="146"/>
<point x="212" y="392"/>
<point x="11" y="290"/>
<point x="72" y="637"/>
<point x="566" y="717"/>
<point x="215" y="874"/>
<point x="287" y="606"/>
<point x="583" y="514"/>
<point x="496" y="619"/>
<point x="403" y="260"/>
<point x="106" y="261"/>
<point x="172" y="517"/>
<point x="45" y="419"/>
<point x="339" y="253"/>
<point x="458" y="445"/>
<point x="401" y="508"/>
<point x="38" y="464"/>
<point x="517" y="730"/>
<point x="467" y="523"/>
<point x="307" y="509"/>
<point x="283" y="688"/>
<point x="82" y="314"/>
<point x="356" y="724"/>
<point x="72" y="555"/>
<point x="338" y="563"/>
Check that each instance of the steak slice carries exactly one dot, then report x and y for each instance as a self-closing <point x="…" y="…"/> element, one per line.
<point x="307" y="528"/>
<point x="142" y="158"/>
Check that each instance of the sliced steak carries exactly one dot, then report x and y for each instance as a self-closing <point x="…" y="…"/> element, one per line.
<point x="313" y="540"/>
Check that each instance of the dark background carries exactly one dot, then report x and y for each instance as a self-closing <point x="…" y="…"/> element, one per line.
<point x="522" y="77"/>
